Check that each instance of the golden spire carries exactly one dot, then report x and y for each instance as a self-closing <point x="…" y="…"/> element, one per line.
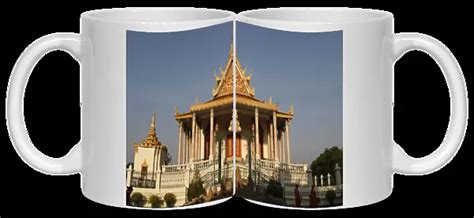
<point x="153" y="122"/>
<point x="231" y="51"/>
<point x="152" y="139"/>
<point x="291" y="110"/>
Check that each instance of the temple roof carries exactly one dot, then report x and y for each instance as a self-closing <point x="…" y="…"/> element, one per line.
<point x="224" y="81"/>
<point x="222" y="91"/>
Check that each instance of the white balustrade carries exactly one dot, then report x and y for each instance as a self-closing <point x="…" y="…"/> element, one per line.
<point x="172" y="180"/>
<point x="174" y="168"/>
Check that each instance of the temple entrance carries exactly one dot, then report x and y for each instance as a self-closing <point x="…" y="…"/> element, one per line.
<point x="238" y="149"/>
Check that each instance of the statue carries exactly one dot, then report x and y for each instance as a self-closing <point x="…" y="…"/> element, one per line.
<point x="128" y="194"/>
<point x="297" y="196"/>
<point x="313" y="198"/>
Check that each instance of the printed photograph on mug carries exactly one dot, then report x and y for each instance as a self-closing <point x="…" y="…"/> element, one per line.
<point x="289" y="106"/>
<point x="177" y="128"/>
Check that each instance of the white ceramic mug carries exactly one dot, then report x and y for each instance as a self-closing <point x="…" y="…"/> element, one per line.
<point x="369" y="51"/>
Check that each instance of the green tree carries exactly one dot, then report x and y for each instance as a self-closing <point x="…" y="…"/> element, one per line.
<point x="274" y="189"/>
<point x="196" y="187"/>
<point x="138" y="199"/>
<point x="170" y="199"/>
<point x="326" y="162"/>
<point x="155" y="201"/>
<point x="168" y="158"/>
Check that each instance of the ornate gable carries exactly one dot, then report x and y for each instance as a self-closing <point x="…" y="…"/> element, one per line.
<point x="224" y="81"/>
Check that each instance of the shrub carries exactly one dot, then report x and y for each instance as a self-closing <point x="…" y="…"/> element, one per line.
<point x="274" y="189"/>
<point x="138" y="199"/>
<point x="196" y="187"/>
<point x="170" y="199"/>
<point x="155" y="201"/>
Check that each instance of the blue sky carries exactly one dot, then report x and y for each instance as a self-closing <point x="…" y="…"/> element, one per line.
<point x="165" y="70"/>
<point x="303" y="69"/>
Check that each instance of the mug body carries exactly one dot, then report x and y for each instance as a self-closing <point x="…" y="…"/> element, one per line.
<point x="125" y="78"/>
<point x="333" y="71"/>
<point x="285" y="107"/>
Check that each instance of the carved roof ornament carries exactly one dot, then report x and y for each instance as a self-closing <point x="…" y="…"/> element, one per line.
<point x="237" y="123"/>
<point x="224" y="81"/>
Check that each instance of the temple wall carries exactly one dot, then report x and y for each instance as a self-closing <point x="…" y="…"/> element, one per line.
<point x="143" y="154"/>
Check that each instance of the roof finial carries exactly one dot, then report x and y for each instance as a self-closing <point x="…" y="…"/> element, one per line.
<point x="291" y="110"/>
<point x="197" y="100"/>
<point x="153" y="122"/>
<point x="151" y="139"/>
<point x="217" y="78"/>
<point x="270" y="99"/>
<point x="176" y="111"/>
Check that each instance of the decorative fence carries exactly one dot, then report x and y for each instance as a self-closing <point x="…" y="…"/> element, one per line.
<point x="177" y="176"/>
<point x="283" y="172"/>
<point x="323" y="184"/>
<point x="143" y="179"/>
<point x="262" y="171"/>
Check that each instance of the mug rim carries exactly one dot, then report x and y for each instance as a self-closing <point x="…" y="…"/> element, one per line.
<point x="112" y="15"/>
<point x="366" y="15"/>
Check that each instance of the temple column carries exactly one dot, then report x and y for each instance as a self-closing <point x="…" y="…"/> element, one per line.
<point x="270" y="141"/>
<point x="282" y="146"/>
<point x="287" y="130"/>
<point x="180" y="136"/>
<point x="201" y="143"/>
<point x="280" y="151"/>
<point x="188" y="146"/>
<point x="257" y="141"/>
<point x="185" y="145"/>
<point x="196" y="149"/>
<point x="198" y="144"/>
<point x="211" y="135"/>
<point x="277" y="154"/>
<point x="266" y="145"/>
<point x="193" y="138"/>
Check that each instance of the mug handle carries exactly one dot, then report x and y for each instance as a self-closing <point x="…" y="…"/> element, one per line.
<point x="402" y="162"/>
<point x="71" y="162"/>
